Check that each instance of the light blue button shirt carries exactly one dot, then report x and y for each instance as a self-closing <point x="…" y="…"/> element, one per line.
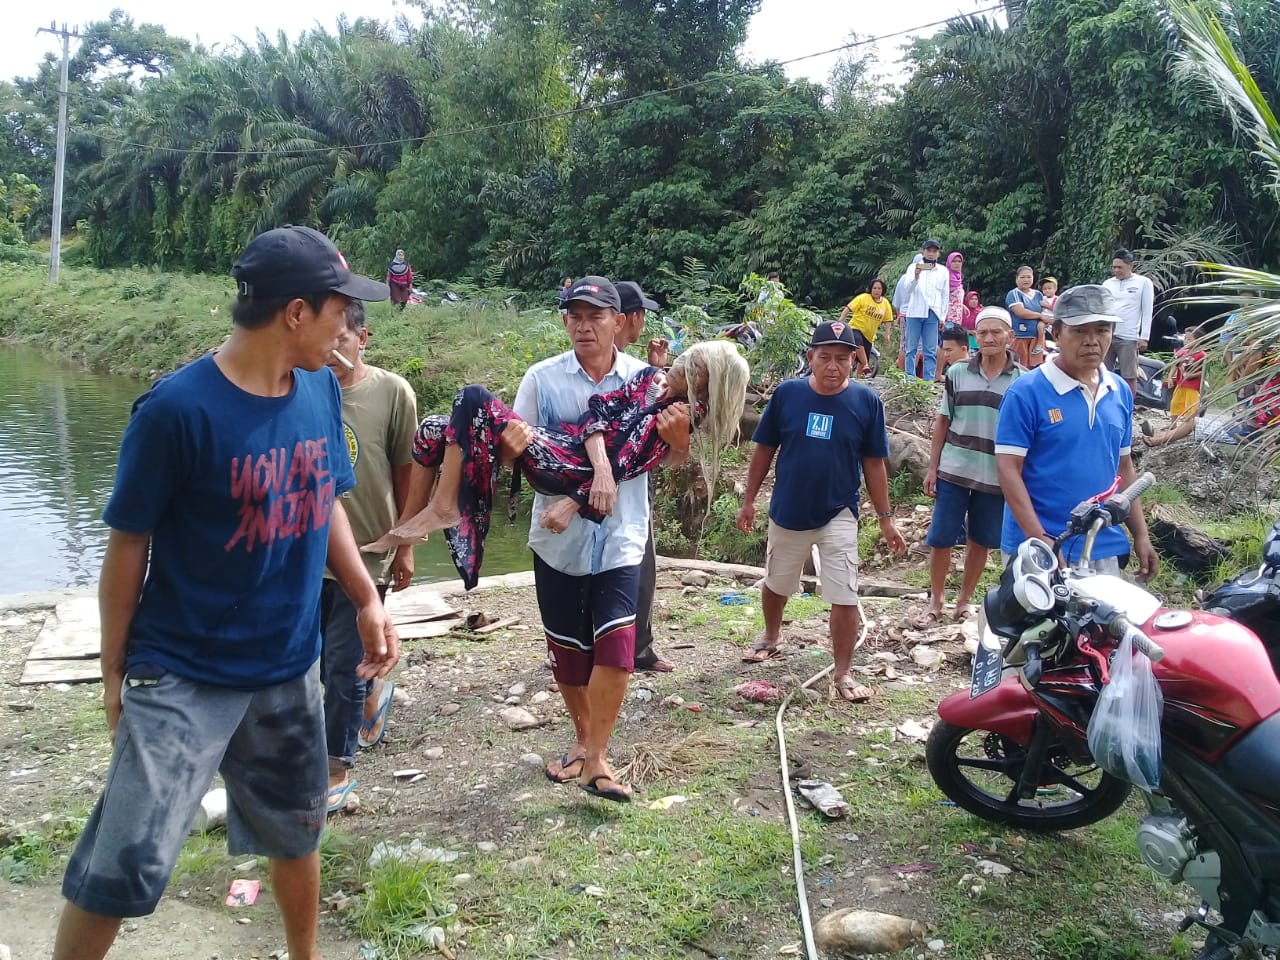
<point x="557" y="391"/>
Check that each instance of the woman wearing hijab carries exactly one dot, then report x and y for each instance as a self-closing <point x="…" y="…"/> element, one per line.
<point x="955" y="299"/>
<point x="400" y="279"/>
<point x="972" y="307"/>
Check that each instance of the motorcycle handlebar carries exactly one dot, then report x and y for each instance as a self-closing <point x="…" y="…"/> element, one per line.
<point x="1120" y="504"/>
<point x="1141" y="642"/>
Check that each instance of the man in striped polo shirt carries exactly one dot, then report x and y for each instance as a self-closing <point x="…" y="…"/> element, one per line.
<point x="962" y="465"/>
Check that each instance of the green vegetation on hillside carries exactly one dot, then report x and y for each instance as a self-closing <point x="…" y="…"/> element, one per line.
<point x="517" y="142"/>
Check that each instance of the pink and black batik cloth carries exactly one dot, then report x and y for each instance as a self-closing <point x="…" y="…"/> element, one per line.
<point x="555" y="461"/>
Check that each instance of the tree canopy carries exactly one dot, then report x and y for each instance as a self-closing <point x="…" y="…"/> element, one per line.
<point x="524" y="140"/>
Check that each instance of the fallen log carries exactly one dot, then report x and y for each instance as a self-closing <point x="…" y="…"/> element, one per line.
<point x="1190" y="550"/>
<point x="867" y="586"/>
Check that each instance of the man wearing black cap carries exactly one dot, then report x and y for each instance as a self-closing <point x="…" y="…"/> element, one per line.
<point x="634" y="307"/>
<point x="587" y="574"/>
<point x="826" y="431"/>
<point x="223" y="516"/>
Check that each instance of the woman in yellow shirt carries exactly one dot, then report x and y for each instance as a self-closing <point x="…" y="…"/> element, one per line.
<point x="866" y="314"/>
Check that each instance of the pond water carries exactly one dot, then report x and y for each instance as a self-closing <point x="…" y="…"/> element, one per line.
<point x="60" y="429"/>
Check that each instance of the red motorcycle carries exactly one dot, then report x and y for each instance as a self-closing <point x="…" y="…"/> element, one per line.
<point x="1013" y="748"/>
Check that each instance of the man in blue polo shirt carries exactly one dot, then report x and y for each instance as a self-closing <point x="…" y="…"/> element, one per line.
<point x="827" y="431"/>
<point x="1064" y="435"/>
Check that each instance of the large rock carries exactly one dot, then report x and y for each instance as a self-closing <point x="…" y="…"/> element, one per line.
<point x="518" y="718"/>
<point x="848" y="933"/>
<point x="908" y="452"/>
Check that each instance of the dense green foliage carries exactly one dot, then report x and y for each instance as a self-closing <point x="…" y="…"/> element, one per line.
<point x="516" y="141"/>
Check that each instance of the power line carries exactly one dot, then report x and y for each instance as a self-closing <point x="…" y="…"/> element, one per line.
<point x="545" y="117"/>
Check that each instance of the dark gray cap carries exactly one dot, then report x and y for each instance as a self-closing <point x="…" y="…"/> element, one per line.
<point x="294" y="261"/>
<point x="597" y="291"/>
<point x="633" y="297"/>
<point x="1087" y="303"/>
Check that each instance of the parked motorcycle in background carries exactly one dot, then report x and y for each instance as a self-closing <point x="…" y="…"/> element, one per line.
<point x="1014" y="748"/>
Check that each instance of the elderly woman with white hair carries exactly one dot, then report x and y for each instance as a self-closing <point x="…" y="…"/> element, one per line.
<point x="614" y="441"/>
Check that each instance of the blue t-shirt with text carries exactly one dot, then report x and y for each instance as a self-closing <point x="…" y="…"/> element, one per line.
<point x="236" y="491"/>
<point x="1024" y="329"/>
<point x="821" y="442"/>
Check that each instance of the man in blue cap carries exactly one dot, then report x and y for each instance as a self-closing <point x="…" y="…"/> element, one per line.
<point x="224" y="513"/>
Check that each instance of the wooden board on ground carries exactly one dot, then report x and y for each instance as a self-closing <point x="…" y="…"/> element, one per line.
<point x="426" y="629"/>
<point x="61" y="671"/>
<point x="72" y="633"/>
<point x="418" y="604"/>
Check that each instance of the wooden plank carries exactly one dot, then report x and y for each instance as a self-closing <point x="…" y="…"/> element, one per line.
<point x="418" y="604"/>
<point x="61" y="671"/>
<point x="428" y="629"/>
<point x="66" y="643"/>
<point x="72" y="633"/>
<point x="867" y="586"/>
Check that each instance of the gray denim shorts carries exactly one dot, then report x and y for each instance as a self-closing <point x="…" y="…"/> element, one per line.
<point x="174" y="735"/>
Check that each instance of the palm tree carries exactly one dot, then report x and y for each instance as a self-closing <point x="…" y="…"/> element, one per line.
<point x="1252" y="340"/>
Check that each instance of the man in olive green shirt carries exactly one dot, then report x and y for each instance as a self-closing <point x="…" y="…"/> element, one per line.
<point x="379" y="417"/>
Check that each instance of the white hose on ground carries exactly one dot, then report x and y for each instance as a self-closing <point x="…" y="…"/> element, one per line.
<point x="811" y="948"/>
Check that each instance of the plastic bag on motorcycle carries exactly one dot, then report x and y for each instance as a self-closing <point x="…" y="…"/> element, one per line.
<point x="1124" y="731"/>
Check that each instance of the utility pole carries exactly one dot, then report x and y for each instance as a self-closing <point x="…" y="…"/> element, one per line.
<point x="60" y="164"/>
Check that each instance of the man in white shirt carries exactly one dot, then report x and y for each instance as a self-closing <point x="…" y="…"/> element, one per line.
<point x="924" y="289"/>
<point x="587" y="575"/>
<point x="1134" y="297"/>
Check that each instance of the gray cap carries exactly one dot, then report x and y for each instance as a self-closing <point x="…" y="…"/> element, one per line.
<point x="597" y="291"/>
<point x="1087" y="303"/>
<point x="632" y="297"/>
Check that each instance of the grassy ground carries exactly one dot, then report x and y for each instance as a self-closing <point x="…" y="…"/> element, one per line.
<point x="542" y="871"/>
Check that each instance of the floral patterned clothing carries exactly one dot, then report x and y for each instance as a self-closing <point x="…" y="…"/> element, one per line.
<point x="556" y="460"/>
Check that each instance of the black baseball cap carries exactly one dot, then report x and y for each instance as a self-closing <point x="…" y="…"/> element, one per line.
<point x="830" y="333"/>
<point x="597" y="291"/>
<point x="632" y="297"/>
<point x="930" y="243"/>
<point x="1087" y="303"/>
<point x="292" y="261"/>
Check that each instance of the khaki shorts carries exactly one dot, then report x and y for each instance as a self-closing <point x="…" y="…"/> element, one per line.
<point x="837" y="543"/>
<point x="1123" y="355"/>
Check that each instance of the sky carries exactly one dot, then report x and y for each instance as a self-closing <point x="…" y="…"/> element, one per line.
<point x="782" y="30"/>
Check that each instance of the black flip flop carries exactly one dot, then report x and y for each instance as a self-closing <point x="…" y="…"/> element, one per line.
<point x="565" y="760"/>
<point x="617" y="796"/>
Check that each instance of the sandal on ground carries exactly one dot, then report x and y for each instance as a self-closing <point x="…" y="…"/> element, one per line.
<point x="966" y="611"/>
<point x="365" y="737"/>
<point x="339" y="795"/>
<point x="657" y="666"/>
<point x="927" y="619"/>
<point x="566" y="761"/>
<point x="1145" y="427"/>
<point x="617" y="795"/>
<point x="850" y="691"/>
<point x="760" y="652"/>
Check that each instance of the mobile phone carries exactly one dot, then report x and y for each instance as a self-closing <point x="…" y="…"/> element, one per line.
<point x="928" y="264"/>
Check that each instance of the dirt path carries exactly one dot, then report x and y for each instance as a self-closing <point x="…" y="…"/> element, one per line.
<point x="177" y="931"/>
<point x="512" y="867"/>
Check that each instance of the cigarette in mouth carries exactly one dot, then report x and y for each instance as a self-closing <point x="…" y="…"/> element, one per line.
<point x="343" y="360"/>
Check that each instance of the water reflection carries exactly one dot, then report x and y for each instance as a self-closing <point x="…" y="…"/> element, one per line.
<point x="60" y="429"/>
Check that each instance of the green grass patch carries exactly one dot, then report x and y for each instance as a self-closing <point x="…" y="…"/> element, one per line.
<point x="31" y="852"/>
